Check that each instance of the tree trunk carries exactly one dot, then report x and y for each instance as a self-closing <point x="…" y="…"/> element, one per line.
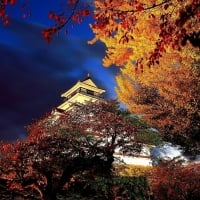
<point x="50" y="191"/>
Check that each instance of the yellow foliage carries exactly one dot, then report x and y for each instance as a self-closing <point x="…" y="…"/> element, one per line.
<point x="168" y="78"/>
<point x="133" y="170"/>
<point x="134" y="27"/>
<point x="166" y="96"/>
<point x="139" y="34"/>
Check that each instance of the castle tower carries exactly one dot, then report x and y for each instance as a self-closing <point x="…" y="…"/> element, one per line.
<point x="81" y="92"/>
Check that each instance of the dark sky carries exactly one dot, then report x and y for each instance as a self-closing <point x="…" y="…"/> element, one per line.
<point x="33" y="73"/>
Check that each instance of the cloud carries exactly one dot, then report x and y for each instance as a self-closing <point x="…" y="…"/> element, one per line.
<point x="33" y="73"/>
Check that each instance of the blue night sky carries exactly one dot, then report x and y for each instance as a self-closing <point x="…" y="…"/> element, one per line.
<point x="33" y="73"/>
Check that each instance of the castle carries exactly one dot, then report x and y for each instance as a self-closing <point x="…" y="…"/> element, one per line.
<point x="81" y="92"/>
<point x="87" y="91"/>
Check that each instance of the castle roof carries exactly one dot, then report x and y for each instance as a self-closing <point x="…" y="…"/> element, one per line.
<point x="81" y="92"/>
<point x="87" y="83"/>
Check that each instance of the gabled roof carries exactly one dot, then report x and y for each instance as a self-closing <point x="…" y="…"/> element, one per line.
<point x="87" y="83"/>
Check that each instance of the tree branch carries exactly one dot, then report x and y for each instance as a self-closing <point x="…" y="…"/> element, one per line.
<point x="134" y="11"/>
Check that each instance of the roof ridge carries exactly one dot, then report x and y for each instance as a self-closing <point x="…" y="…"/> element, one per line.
<point x="88" y="77"/>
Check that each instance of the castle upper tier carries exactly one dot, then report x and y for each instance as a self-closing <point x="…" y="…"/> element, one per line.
<point x="81" y="92"/>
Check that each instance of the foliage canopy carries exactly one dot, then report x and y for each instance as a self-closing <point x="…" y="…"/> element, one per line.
<point x="75" y="149"/>
<point x="139" y="31"/>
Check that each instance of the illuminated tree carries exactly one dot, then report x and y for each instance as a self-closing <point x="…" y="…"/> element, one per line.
<point x="80" y="143"/>
<point x="139" y="30"/>
<point x="167" y="97"/>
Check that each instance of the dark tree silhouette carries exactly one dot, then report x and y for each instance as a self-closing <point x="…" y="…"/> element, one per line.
<point x="80" y="143"/>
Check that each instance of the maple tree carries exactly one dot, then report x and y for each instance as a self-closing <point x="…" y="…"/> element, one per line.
<point x="167" y="97"/>
<point x="133" y="31"/>
<point x="79" y="145"/>
<point x="139" y="32"/>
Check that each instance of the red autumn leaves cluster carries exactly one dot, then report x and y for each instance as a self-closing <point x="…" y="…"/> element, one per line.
<point x="172" y="181"/>
<point x="177" y="24"/>
<point x="71" y="14"/>
<point x="3" y="15"/>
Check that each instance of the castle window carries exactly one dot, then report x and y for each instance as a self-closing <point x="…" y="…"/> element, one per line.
<point x="90" y="92"/>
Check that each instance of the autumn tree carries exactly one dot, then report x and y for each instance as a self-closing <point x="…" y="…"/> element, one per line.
<point x="41" y="167"/>
<point x="166" y="96"/>
<point x="135" y="31"/>
<point x="173" y="181"/>
<point x="80" y="145"/>
<point x="139" y="31"/>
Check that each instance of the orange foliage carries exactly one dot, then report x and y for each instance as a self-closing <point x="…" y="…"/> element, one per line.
<point x="176" y="182"/>
<point x="167" y="97"/>
<point x="148" y="28"/>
